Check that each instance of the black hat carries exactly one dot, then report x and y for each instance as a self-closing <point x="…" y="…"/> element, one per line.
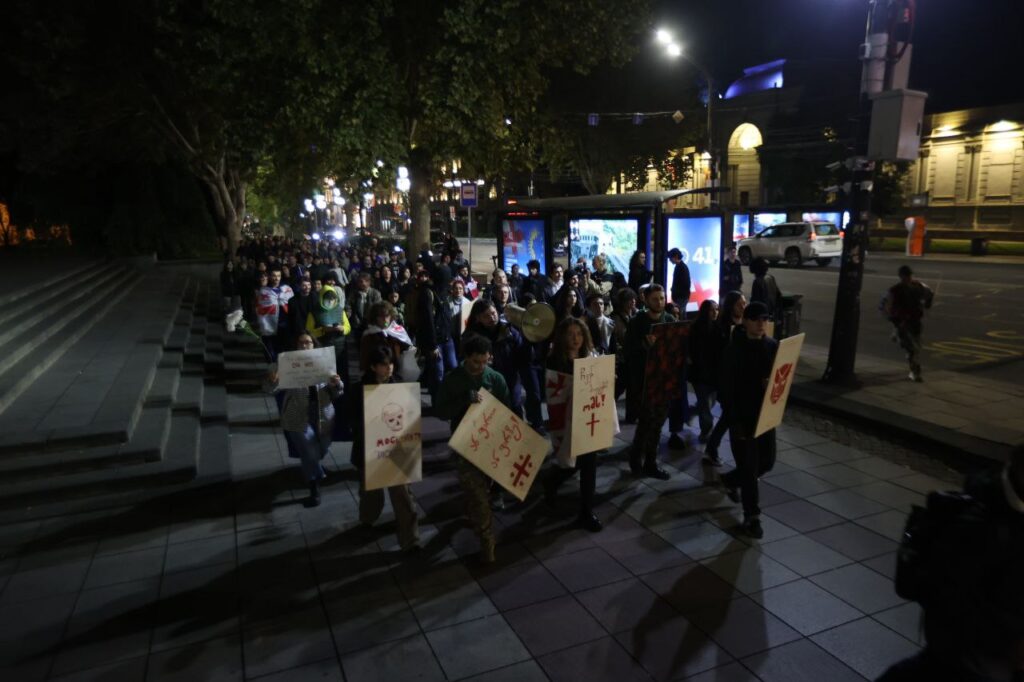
<point x="755" y="311"/>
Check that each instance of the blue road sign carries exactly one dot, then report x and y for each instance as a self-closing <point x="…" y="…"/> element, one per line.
<point x="468" y="195"/>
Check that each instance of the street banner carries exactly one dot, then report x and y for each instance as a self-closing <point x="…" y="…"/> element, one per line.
<point x="666" y="358"/>
<point x="302" y="368"/>
<point x="394" y="439"/>
<point x="594" y="419"/>
<point x="500" y="444"/>
<point x="467" y="308"/>
<point x="773" y="406"/>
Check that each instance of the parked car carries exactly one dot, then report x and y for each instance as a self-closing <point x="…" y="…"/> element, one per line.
<point x="793" y="243"/>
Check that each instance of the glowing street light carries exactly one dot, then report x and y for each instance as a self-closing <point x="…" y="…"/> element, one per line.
<point x="663" y="36"/>
<point x="674" y="50"/>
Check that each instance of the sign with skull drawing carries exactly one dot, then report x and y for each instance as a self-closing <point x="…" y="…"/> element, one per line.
<point x="394" y="441"/>
<point x="773" y="406"/>
<point x="500" y="444"/>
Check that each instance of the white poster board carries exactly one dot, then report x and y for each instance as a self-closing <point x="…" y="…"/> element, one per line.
<point x="467" y="307"/>
<point x="302" y="368"/>
<point x="773" y="406"/>
<point x="394" y="439"/>
<point x="500" y="444"/>
<point x="594" y="420"/>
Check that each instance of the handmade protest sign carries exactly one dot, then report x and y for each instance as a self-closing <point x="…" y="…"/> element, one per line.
<point x="594" y="421"/>
<point x="467" y="307"/>
<point x="394" y="440"/>
<point x="773" y="406"/>
<point x="663" y="375"/>
<point x="500" y="444"/>
<point x="301" y="368"/>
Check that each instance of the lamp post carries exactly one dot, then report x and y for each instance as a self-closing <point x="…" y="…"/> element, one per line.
<point x="675" y="50"/>
<point x="404" y="184"/>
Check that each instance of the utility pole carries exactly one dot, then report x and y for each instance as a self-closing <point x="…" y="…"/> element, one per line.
<point x="886" y="62"/>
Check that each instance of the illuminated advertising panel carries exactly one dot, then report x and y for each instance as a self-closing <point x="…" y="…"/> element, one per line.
<point x="699" y="238"/>
<point x="740" y="226"/>
<point x="523" y="241"/>
<point x="616" y="238"/>
<point x="840" y="220"/>
<point x="763" y="220"/>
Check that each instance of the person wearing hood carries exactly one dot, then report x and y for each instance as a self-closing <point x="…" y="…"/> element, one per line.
<point x="383" y="331"/>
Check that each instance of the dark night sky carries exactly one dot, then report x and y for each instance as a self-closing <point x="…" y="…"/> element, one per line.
<point x="966" y="52"/>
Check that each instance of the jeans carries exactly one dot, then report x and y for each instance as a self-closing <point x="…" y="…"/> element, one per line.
<point x="648" y="435"/>
<point x="717" y="433"/>
<point x="909" y="333"/>
<point x="754" y="458"/>
<point x="533" y="378"/>
<point x="436" y="368"/>
<point x="705" y="399"/>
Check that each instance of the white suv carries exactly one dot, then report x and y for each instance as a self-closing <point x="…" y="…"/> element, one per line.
<point x="793" y="243"/>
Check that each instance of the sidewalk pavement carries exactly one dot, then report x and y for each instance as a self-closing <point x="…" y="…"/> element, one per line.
<point x="947" y="258"/>
<point x="243" y="582"/>
<point x="979" y="416"/>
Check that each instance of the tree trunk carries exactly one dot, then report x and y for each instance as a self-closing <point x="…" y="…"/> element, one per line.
<point x="421" y="176"/>
<point x="226" y="191"/>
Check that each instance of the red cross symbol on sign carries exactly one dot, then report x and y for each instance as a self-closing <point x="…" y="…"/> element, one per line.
<point x="557" y="387"/>
<point x="522" y="468"/>
<point x="593" y="420"/>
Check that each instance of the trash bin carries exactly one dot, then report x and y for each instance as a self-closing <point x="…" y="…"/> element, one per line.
<point x="792" y="310"/>
<point x="979" y="246"/>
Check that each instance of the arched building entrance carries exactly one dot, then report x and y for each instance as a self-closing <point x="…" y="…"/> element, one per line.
<point x="744" y="172"/>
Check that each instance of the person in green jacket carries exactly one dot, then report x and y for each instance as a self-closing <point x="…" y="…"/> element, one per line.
<point x="460" y="389"/>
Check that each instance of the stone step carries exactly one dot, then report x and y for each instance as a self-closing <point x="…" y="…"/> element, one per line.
<point x="165" y="386"/>
<point x="214" y="453"/>
<point x="50" y="303"/>
<point x="69" y="275"/>
<point x="214" y="407"/>
<point x="146" y="444"/>
<point x="23" y="366"/>
<point x="190" y="394"/>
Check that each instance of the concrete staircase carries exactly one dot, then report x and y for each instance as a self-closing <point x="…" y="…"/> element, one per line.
<point x="119" y="399"/>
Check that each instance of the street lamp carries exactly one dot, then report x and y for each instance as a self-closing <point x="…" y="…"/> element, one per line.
<point x="674" y="50"/>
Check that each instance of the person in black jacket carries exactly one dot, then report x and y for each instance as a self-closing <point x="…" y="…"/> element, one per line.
<point x="229" y="289"/>
<point x="731" y="278"/>
<point x="433" y="332"/>
<point x="639" y="275"/>
<point x="705" y="358"/>
<point x="765" y="290"/>
<point x="747" y="370"/>
<point x="680" y="288"/>
<point x="730" y="320"/>
<point x="534" y="283"/>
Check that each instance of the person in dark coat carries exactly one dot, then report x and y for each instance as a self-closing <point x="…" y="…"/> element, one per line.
<point x="534" y="283"/>
<point x="229" y="289"/>
<point x="748" y="366"/>
<point x="705" y="359"/>
<point x="731" y="278"/>
<point x="765" y="290"/>
<point x="680" y="288"/>
<point x="508" y="348"/>
<point x="730" y="321"/>
<point x="433" y="332"/>
<point x="639" y="275"/>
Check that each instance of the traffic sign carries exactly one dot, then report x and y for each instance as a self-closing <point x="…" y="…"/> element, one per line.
<point x="468" y="195"/>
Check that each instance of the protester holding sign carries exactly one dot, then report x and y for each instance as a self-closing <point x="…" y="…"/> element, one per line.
<point x="571" y="341"/>
<point x="747" y="370"/>
<point x="460" y="389"/>
<point x="307" y="419"/>
<point x="371" y="502"/>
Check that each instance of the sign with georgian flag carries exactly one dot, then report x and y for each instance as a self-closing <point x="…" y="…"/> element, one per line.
<point x="500" y="444"/>
<point x="773" y="406"/>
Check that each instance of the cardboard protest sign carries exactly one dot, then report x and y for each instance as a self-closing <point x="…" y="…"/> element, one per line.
<point x="663" y="375"/>
<point x="467" y="307"/>
<point x="500" y="444"/>
<point x="773" y="406"/>
<point x="594" y="419"/>
<point x="302" y="368"/>
<point x="394" y="440"/>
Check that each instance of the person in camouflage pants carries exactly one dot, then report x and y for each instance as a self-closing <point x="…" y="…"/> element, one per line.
<point x="458" y="391"/>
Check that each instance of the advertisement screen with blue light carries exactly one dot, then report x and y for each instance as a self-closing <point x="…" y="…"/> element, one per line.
<point x="840" y="220"/>
<point x="700" y="241"/>
<point x="763" y="220"/>
<point x="616" y="238"/>
<point x="523" y="241"/>
<point x="740" y="226"/>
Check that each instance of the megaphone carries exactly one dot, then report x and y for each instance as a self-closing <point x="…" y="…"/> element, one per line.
<point x="536" y="320"/>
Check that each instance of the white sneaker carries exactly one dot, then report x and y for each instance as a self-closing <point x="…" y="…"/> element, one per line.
<point x="915" y="377"/>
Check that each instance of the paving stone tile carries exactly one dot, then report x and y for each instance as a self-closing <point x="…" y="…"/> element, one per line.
<point x="406" y="659"/>
<point x="771" y="494"/>
<point x="895" y="496"/>
<point x="880" y="468"/>
<point x="837" y="452"/>
<point x="559" y="542"/>
<point x="553" y="625"/>
<point x="62" y="578"/>
<point x="801" y="459"/>
<point x="618" y="526"/>
<point x="37" y="618"/>
<point x="626" y="605"/>
<point x="198" y="529"/>
<point x="730" y="521"/>
<point x="806" y="607"/>
<point x="843" y="476"/>
<point x="733" y="672"/>
<point x="888" y="524"/>
<point x="702" y="540"/>
<point x="371" y="618"/>
<point x="527" y="671"/>
<point x="598" y="661"/>
<point x="847" y="504"/>
<point x="192" y="617"/>
<point x="327" y="670"/>
<point x="690" y="587"/>
<point x="742" y="627"/>
<point x="646" y="553"/>
<point x="866" y="646"/>
<point x="924" y="484"/>
<point x="131" y="670"/>
<point x="120" y="568"/>
<point x="586" y="569"/>
<point x="802" y="516"/>
<point x="290" y="641"/>
<point x="859" y="587"/>
<point x="800" y="661"/>
<point x="149" y="538"/>
<point x="219" y="659"/>
<point x="520" y="584"/>
<point x="750" y="571"/>
<point x="200" y="553"/>
<point x="493" y="645"/>
<point x="854" y="541"/>
<point x="798" y="437"/>
<point x="805" y="556"/>
<point x="884" y="564"/>
<point x="905" y="620"/>
<point x="438" y="606"/>
<point x="672" y="648"/>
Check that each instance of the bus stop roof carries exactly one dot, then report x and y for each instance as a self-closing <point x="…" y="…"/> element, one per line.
<point x="607" y="202"/>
